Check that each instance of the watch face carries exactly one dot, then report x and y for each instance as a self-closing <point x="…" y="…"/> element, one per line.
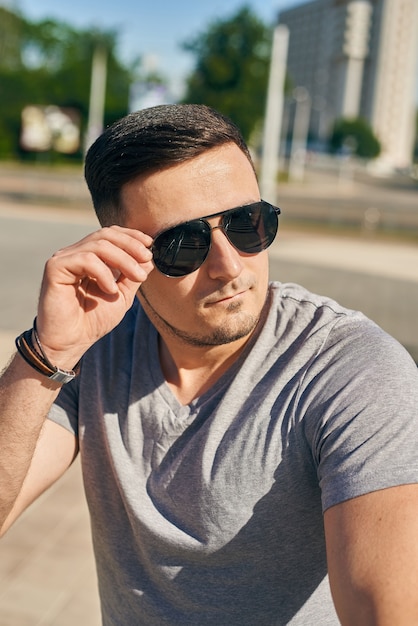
<point x="60" y="376"/>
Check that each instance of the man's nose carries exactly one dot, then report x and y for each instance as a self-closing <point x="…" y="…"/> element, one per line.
<point x="224" y="260"/>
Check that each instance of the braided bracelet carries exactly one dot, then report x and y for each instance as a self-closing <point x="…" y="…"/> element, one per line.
<point x="39" y="361"/>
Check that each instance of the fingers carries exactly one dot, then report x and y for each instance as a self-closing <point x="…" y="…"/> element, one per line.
<point x="88" y="287"/>
<point x="108" y="256"/>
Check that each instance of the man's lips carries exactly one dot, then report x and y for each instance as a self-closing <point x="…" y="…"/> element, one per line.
<point x="229" y="297"/>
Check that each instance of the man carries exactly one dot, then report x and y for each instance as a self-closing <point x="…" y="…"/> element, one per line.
<point x="239" y="439"/>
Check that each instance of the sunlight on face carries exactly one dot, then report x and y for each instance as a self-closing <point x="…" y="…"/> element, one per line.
<point x="220" y="302"/>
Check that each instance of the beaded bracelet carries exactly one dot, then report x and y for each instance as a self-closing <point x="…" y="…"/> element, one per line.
<point x="39" y="361"/>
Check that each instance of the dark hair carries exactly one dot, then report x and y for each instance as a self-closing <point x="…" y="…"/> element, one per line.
<point x="147" y="141"/>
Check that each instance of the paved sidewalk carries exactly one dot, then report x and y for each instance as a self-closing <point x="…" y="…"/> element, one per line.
<point x="47" y="570"/>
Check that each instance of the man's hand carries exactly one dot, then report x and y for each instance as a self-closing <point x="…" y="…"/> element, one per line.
<point x="87" y="289"/>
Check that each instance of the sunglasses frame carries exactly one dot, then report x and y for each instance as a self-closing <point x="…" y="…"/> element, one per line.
<point x="204" y="219"/>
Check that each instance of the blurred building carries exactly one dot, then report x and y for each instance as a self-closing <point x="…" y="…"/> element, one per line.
<point x="358" y="58"/>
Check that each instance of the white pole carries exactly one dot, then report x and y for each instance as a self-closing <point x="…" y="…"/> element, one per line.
<point x="300" y="134"/>
<point x="97" y="94"/>
<point x="274" y="114"/>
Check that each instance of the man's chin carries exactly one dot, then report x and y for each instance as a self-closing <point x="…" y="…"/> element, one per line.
<point x="220" y="335"/>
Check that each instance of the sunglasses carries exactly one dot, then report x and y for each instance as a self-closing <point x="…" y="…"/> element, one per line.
<point x="181" y="250"/>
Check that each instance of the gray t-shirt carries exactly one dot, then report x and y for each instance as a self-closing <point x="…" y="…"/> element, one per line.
<point x="211" y="513"/>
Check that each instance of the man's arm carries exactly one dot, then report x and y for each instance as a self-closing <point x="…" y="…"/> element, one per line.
<point x="25" y="398"/>
<point x="34" y="452"/>
<point x="86" y="290"/>
<point x="372" y="552"/>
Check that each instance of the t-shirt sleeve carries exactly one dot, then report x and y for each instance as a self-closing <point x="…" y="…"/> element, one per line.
<point x="363" y="413"/>
<point x="64" y="411"/>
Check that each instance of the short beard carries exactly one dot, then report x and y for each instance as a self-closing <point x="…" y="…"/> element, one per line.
<point x="217" y="337"/>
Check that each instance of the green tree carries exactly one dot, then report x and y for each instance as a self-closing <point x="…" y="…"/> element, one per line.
<point x="231" y="69"/>
<point x="49" y="62"/>
<point x="354" y="136"/>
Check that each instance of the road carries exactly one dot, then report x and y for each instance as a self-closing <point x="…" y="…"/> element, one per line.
<point x="355" y="201"/>
<point x="25" y="243"/>
<point x="381" y="279"/>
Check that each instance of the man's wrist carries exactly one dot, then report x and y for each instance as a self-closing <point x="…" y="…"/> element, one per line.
<point x="30" y="348"/>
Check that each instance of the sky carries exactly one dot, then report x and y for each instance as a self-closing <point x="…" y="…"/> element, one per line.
<point x="153" y="30"/>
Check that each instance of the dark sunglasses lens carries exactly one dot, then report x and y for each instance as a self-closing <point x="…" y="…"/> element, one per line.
<point x="252" y="228"/>
<point x="181" y="250"/>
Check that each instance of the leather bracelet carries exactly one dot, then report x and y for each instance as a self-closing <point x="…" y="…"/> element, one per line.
<point x="42" y="354"/>
<point x="40" y="362"/>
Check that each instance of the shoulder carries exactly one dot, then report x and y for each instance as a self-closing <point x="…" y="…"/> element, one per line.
<point x="340" y="328"/>
<point x="308" y="325"/>
<point x="334" y="349"/>
<point x="291" y="297"/>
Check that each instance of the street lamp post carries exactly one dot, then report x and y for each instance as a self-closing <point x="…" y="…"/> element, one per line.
<point x="300" y="134"/>
<point x="274" y="113"/>
<point x="97" y="94"/>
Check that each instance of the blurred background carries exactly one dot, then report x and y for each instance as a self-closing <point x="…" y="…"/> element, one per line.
<point x="326" y="95"/>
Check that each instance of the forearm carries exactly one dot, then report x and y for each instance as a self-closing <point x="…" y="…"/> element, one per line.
<point x="25" y="398"/>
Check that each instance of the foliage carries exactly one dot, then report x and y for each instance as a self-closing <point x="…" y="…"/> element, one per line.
<point x="49" y="62"/>
<point x="231" y="68"/>
<point x="354" y="136"/>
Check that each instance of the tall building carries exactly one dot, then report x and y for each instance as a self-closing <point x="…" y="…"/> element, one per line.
<point x="358" y="58"/>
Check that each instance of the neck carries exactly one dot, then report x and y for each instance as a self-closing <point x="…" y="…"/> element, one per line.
<point x="192" y="364"/>
<point x="190" y="373"/>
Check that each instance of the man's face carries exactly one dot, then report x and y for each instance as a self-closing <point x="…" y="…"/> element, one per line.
<point x="221" y="301"/>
